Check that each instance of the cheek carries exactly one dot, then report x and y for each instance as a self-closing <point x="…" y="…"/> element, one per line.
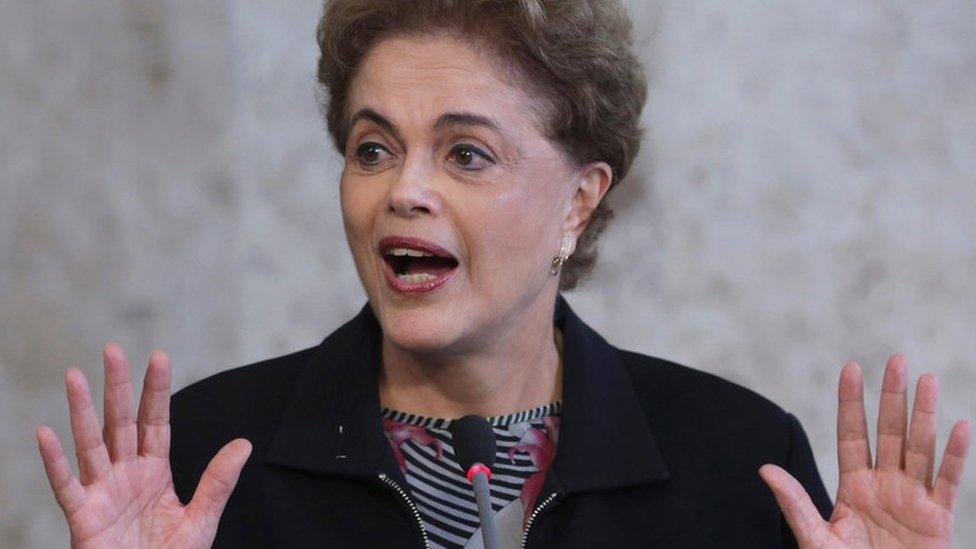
<point x="514" y="231"/>
<point x="359" y="205"/>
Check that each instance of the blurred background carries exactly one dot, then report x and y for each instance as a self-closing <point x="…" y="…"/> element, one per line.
<point x="806" y="195"/>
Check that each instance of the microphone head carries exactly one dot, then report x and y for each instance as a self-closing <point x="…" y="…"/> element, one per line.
<point x="474" y="441"/>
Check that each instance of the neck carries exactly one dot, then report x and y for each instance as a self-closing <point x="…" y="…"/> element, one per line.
<point x="517" y="368"/>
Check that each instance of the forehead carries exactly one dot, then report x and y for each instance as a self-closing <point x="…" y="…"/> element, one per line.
<point x="414" y="79"/>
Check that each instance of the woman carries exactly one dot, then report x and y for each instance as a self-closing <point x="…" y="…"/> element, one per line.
<point x="480" y="138"/>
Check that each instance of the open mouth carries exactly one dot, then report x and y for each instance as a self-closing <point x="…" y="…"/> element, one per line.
<point x="415" y="265"/>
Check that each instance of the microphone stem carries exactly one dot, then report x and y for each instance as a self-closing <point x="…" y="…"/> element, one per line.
<point x="483" y="495"/>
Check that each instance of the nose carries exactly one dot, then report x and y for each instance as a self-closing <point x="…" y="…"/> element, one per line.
<point x="412" y="194"/>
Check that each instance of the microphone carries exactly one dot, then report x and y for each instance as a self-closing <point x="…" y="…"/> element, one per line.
<point x="474" y="447"/>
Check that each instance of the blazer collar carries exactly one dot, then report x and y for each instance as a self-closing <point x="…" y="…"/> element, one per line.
<point x="332" y="424"/>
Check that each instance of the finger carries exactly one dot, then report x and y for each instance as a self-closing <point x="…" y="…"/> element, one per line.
<point x="93" y="460"/>
<point x="853" y="449"/>
<point x="67" y="489"/>
<point x="120" y="432"/>
<point x="805" y="521"/>
<point x="218" y="481"/>
<point x="920" y="448"/>
<point x="893" y="415"/>
<point x="153" y="422"/>
<point x="953" y="460"/>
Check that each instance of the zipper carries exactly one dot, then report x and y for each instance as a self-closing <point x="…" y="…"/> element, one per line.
<point x="413" y="508"/>
<point x="538" y="510"/>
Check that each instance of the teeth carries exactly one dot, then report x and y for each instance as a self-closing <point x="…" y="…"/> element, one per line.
<point x="407" y="251"/>
<point x="416" y="278"/>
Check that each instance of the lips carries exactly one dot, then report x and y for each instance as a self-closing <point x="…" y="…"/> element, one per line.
<point x="414" y="265"/>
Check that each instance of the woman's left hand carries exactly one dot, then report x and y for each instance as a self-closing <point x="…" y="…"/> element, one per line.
<point x="894" y="502"/>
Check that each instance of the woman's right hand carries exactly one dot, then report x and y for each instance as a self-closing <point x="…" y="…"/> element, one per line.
<point x="123" y="495"/>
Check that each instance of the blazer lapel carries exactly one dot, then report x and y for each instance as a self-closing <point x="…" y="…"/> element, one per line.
<point x="605" y="440"/>
<point x="332" y="423"/>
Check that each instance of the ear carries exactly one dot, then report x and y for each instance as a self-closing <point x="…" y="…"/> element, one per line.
<point x="590" y="185"/>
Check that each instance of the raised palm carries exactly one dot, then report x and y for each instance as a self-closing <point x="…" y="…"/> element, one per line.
<point x="893" y="502"/>
<point x="123" y="495"/>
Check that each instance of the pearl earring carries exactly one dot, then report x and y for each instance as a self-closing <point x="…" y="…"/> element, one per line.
<point x="564" y="252"/>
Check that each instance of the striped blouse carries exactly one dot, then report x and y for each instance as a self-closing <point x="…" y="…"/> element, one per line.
<point x="422" y="446"/>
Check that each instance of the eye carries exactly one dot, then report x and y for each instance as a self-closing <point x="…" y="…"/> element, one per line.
<point x="370" y="153"/>
<point x="471" y="158"/>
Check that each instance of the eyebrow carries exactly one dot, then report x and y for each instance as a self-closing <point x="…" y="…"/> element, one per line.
<point x="465" y="119"/>
<point x="443" y="121"/>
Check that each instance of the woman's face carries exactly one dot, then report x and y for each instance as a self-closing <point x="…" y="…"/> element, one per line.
<point x="444" y="150"/>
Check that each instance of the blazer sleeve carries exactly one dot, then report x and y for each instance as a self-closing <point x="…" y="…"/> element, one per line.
<point x="801" y="464"/>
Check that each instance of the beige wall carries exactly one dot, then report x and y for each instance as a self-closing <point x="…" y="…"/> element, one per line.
<point x="806" y="196"/>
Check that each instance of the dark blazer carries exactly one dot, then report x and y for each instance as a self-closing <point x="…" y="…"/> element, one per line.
<point x="650" y="453"/>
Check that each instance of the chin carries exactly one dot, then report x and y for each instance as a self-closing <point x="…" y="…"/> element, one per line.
<point x="421" y="329"/>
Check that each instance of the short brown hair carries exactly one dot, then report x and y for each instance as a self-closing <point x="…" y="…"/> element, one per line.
<point x="575" y="54"/>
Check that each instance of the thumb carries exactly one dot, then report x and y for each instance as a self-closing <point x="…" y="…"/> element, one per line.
<point x="218" y="481"/>
<point x="808" y="526"/>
